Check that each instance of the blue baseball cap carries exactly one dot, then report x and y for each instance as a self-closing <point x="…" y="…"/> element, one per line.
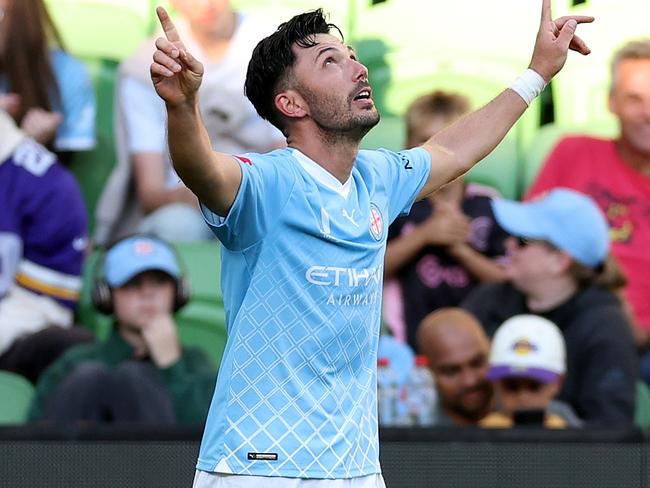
<point x="135" y="255"/>
<point x="569" y="220"/>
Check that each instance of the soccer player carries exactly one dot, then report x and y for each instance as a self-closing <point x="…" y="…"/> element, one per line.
<point x="304" y="232"/>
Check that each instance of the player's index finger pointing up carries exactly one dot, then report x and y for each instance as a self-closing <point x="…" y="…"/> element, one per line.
<point x="546" y="11"/>
<point x="168" y="26"/>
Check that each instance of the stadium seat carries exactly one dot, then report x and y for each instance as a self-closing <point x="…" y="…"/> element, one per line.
<point x="407" y="58"/>
<point x="202" y="322"/>
<point x="88" y="27"/>
<point x="642" y="406"/>
<point x="92" y="168"/>
<point x="282" y="10"/>
<point x="16" y="393"/>
<point x="546" y="139"/>
<point x="500" y="170"/>
<point x="87" y="315"/>
<point x="202" y="261"/>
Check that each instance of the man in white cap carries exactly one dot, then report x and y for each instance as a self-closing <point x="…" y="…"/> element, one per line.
<point x="527" y="366"/>
<point x="559" y="267"/>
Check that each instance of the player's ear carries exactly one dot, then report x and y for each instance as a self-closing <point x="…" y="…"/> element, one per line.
<point x="290" y="104"/>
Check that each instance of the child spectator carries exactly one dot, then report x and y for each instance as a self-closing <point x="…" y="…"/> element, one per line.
<point x="527" y="366"/>
<point x="449" y="241"/>
<point x="141" y="373"/>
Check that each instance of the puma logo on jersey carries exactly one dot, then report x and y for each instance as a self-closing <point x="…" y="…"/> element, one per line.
<point x="350" y="217"/>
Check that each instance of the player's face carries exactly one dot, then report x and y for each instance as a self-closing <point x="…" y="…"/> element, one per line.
<point x="630" y="101"/>
<point x="459" y="368"/>
<point x="334" y="85"/>
<point x="523" y="393"/>
<point x="146" y="296"/>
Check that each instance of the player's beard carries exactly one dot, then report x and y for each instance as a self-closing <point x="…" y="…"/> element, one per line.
<point x="337" y="119"/>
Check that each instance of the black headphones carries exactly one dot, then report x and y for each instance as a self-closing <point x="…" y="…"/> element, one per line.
<point x="102" y="295"/>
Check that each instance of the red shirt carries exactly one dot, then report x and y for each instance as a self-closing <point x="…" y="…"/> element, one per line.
<point x="592" y="166"/>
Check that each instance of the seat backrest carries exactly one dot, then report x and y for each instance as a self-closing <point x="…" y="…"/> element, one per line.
<point x="92" y="168"/>
<point x="546" y="139"/>
<point x="103" y="29"/>
<point x="202" y="262"/>
<point x="642" y="405"/>
<point x="202" y="322"/>
<point x="16" y="393"/>
<point x="407" y="58"/>
<point x="281" y="11"/>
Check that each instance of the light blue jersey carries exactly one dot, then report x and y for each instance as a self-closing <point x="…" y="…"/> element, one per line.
<point x="302" y="281"/>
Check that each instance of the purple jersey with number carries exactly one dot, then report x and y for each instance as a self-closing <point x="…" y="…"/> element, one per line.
<point x="43" y="225"/>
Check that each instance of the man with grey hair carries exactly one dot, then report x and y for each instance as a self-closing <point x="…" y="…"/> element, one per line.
<point x="616" y="173"/>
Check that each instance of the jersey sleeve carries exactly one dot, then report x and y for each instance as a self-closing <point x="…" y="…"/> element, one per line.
<point x="264" y="190"/>
<point x="77" y="130"/>
<point x="403" y="174"/>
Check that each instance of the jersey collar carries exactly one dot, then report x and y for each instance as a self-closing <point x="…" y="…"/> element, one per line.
<point x="321" y="175"/>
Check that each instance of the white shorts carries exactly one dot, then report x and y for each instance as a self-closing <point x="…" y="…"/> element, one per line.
<point x="205" y="479"/>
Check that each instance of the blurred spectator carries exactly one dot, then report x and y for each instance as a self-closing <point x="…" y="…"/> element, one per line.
<point x="448" y="243"/>
<point x="616" y="174"/>
<point x="51" y="96"/>
<point x="42" y="245"/>
<point x="400" y="355"/>
<point x="527" y="366"/>
<point x="144" y="191"/>
<point x="141" y="373"/>
<point x="457" y="349"/>
<point x="559" y="268"/>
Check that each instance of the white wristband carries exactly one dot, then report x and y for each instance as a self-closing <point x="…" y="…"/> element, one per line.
<point x="529" y="85"/>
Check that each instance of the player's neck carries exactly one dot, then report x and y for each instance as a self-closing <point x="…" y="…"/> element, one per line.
<point x="638" y="160"/>
<point x="335" y="154"/>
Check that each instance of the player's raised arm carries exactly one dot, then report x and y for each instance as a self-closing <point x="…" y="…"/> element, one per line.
<point x="455" y="150"/>
<point x="176" y="76"/>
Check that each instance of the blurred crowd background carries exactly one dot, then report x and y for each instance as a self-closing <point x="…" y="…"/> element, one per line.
<point x="519" y="294"/>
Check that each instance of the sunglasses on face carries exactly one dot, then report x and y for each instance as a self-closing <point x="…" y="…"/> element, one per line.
<point x="525" y="241"/>
<point x="515" y="385"/>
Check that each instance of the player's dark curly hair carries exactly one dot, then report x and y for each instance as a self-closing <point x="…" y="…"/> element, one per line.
<point x="269" y="70"/>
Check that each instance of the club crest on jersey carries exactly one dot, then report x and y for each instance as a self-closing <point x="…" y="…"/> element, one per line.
<point x="376" y="224"/>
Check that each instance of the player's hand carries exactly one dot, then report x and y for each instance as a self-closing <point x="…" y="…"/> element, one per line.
<point x="161" y="337"/>
<point x="40" y="124"/>
<point x="554" y="39"/>
<point x="175" y="73"/>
